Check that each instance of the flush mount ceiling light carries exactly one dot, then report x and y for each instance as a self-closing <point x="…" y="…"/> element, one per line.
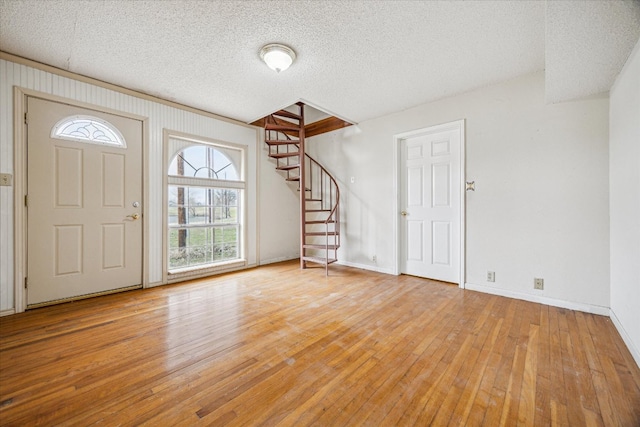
<point x="278" y="57"/>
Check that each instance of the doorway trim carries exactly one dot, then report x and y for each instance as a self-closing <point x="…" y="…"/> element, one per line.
<point x="459" y="126"/>
<point x="20" y="166"/>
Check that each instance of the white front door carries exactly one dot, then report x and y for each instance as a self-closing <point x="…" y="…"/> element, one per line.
<point x="430" y="190"/>
<point x="84" y="223"/>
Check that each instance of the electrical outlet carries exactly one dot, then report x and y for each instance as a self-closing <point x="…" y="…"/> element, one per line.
<point x="538" y="283"/>
<point x="491" y="276"/>
<point x="5" y="179"/>
<point x="374" y="258"/>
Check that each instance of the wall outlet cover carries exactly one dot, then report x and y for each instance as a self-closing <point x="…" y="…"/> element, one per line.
<point x="5" y="179"/>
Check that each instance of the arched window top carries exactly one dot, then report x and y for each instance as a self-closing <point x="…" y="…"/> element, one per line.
<point x="203" y="161"/>
<point x="88" y="129"/>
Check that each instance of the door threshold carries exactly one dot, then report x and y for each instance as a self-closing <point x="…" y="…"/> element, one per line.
<point x="81" y="297"/>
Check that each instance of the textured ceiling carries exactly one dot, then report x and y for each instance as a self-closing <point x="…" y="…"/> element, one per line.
<point x="356" y="59"/>
<point x="587" y="44"/>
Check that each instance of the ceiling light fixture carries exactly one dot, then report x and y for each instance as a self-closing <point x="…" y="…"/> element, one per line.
<point x="278" y="57"/>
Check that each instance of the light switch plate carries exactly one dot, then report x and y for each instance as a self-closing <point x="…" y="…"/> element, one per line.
<point x="5" y="179"/>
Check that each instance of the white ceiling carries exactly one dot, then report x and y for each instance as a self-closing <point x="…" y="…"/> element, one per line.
<point x="356" y="59"/>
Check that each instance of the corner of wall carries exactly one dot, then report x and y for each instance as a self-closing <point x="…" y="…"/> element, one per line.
<point x="624" y="202"/>
<point x="635" y="352"/>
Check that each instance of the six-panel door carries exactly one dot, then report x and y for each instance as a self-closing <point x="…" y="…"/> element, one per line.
<point x="84" y="202"/>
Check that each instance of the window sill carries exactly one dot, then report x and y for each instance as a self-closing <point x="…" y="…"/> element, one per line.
<point x="182" y="274"/>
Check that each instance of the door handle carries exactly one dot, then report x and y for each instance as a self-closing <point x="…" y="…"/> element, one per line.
<point x="404" y="213"/>
<point x="134" y="216"/>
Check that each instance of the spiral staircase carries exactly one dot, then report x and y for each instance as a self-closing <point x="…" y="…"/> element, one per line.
<point x="320" y="195"/>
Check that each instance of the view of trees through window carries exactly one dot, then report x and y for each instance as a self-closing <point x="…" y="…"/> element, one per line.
<point x="204" y="226"/>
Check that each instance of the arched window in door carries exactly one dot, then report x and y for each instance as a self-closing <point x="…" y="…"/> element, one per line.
<point x="88" y="129"/>
<point x="204" y="207"/>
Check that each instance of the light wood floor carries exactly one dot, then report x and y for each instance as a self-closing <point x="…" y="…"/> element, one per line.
<point x="281" y="346"/>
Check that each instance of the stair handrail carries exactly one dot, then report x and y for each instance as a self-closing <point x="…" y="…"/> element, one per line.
<point x="335" y="184"/>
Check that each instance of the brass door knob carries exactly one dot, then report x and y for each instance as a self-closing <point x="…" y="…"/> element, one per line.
<point x="134" y="216"/>
<point x="404" y="213"/>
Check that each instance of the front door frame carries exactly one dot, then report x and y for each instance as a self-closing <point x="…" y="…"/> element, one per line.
<point x="20" y="185"/>
<point x="459" y="126"/>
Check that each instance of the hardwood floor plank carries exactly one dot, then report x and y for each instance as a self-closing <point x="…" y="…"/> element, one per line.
<point x="556" y="371"/>
<point x="572" y="388"/>
<point x="581" y="361"/>
<point x="473" y="361"/>
<point x="603" y="333"/>
<point x="512" y="390"/>
<point x="442" y="376"/>
<point x="456" y="405"/>
<point x="418" y="379"/>
<point x="530" y="317"/>
<point x="503" y="312"/>
<point x="385" y="393"/>
<point x="527" y="409"/>
<point x="559" y="415"/>
<point x="365" y="320"/>
<point x="592" y="419"/>
<point x="277" y="345"/>
<point x="464" y="410"/>
<point x="350" y="369"/>
<point x="429" y="351"/>
<point x="622" y="408"/>
<point x="507" y="351"/>
<point x="605" y="400"/>
<point x="543" y="371"/>
<point x="393" y="353"/>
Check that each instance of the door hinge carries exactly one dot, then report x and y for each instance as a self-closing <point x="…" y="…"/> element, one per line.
<point x="25" y="283"/>
<point x="26" y="200"/>
<point x="26" y="119"/>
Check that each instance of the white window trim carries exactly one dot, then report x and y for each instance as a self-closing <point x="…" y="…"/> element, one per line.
<point x="182" y="274"/>
<point x="186" y="273"/>
<point x="187" y="181"/>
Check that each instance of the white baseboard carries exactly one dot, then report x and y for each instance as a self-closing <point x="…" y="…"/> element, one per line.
<point x="625" y="337"/>
<point x="587" y="308"/>
<point x="7" y="312"/>
<point x="366" y="267"/>
<point x="278" y="259"/>
<point x="154" y="284"/>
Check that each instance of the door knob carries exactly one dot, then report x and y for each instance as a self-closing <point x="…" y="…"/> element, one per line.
<point x="134" y="216"/>
<point x="404" y="213"/>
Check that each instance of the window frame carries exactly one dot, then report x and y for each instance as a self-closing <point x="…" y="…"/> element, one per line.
<point x="208" y="225"/>
<point x="121" y="141"/>
<point x="176" y="143"/>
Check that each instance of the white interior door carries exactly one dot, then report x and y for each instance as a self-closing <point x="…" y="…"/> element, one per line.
<point x="430" y="187"/>
<point x="84" y="221"/>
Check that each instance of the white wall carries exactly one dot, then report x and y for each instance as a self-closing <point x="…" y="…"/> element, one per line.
<point x="624" y="170"/>
<point x="279" y="213"/>
<point x="160" y="116"/>
<point x="540" y="208"/>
